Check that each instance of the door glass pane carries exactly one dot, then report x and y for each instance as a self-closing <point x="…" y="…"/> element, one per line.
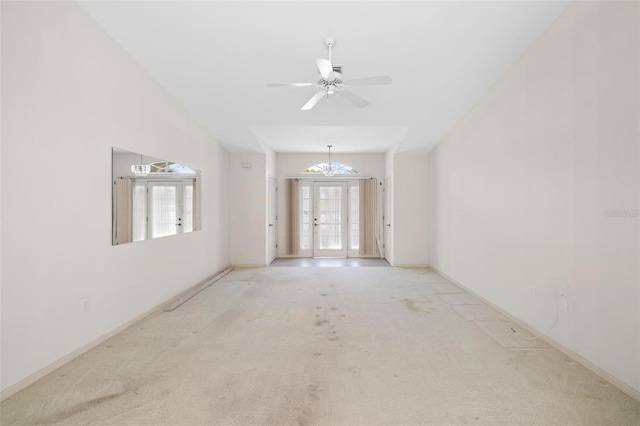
<point x="163" y="210"/>
<point x="330" y="227"/>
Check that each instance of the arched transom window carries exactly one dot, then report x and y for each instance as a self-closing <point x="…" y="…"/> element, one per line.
<point x="170" y="167"/>
<point x="340" y="169"/>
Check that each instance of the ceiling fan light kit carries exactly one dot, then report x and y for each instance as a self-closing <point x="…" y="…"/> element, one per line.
<point x="331" y="81"/>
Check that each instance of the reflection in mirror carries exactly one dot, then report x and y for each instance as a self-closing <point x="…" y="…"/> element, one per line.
<point x="152" y="198"/>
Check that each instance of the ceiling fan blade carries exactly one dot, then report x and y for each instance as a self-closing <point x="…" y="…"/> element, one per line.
<point x="290" y="84"/>
<point x="354" y="99"/>
<point x="314" y="100"/>
<point x="368" y="81"/>
<point x="325" y="68"/>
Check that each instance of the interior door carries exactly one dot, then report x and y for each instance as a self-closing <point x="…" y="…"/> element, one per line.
<point x="330" y="219"/>
<point x="164" y="209"/>
<point x="273" y="219"/>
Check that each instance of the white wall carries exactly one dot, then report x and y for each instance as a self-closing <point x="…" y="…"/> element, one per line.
<point x="248" y="209"/>
<point x="388" y="231"/>
<point x="406" y="179"/>
<point x="410" y="238"/>
<point x="520" y="189"/>
<point x="69" y="94"/>
<point x="271" y="171"/>
<point x="290" y="165"/>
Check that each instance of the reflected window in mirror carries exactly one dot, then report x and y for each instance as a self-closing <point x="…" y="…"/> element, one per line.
<point x="152" y="198"/>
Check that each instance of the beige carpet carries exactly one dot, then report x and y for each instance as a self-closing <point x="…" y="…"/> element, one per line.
<point x="325" y="346"/>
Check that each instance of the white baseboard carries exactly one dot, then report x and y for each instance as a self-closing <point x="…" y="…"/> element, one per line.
<point x="28" y="381"/>
<point x="633" y="393"/>
<point x="410" y="265"/>
<point x="249" y="265"/>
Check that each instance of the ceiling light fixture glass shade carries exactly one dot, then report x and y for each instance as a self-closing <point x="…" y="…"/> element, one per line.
<point x="140" y="169"/>
<point x="329" y="169"/>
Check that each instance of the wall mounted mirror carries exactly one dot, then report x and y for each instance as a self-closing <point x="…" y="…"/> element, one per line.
<point x="152" y="198"/>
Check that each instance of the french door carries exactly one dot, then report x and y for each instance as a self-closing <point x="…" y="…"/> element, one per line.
<point x="169" y="208"/>
<point x="330" y="219"/>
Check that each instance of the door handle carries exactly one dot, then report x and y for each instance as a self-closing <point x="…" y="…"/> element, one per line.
<point x="389" y="225"/>
<point x="271" y="224"/>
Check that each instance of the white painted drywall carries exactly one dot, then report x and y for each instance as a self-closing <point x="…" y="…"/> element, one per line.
<point x="410" y="242"/>
<point x="290" y="165"/>
<point x="249" y="213"/>
<point x="69" y="94"/>
<point x="387" y="204"/>
<point x="270" y="172"/>
<point x="521" y="192"/>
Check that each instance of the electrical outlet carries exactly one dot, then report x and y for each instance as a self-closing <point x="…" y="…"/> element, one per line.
<point x="532" y="292"/>
<point x="84" y="305"/>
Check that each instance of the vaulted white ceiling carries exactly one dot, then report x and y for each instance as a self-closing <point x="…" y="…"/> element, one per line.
<point x="216" y="59"/>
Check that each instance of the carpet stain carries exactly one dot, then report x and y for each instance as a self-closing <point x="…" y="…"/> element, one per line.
<point x="334" y="308"/>
<point x="312" y="390"/>
<point x="324" y="294"/>
<point x="312" y="396"/>
<point x="333" y="338"/>
<point x="317" y="353"/>
<point x="321" y="322"/>
<point x="411" y="305"/>
<point x="303" y="419"/>
<point x="414" y="305"/>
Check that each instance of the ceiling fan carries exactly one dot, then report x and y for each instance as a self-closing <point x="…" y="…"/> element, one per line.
<point x="331" y="82"/>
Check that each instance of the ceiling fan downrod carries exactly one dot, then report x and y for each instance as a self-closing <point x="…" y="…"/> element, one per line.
<point x="330" y="42"/>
